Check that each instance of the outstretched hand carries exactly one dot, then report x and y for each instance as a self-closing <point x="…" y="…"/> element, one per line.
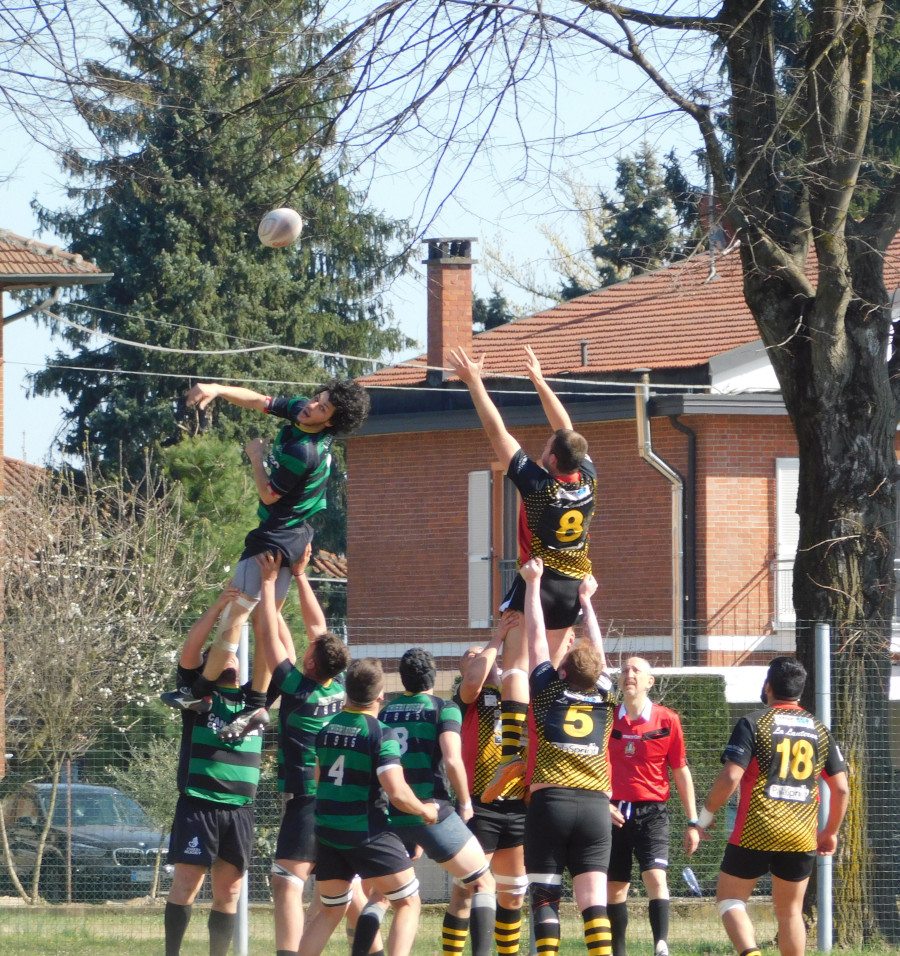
<point x="533" y="366"/>
<point x="269" y="565"/>
<point x="467" y="369"/>
<point x="201" y="395"/>
<point x="299" y="566"/>
<point x="532" y="569"/>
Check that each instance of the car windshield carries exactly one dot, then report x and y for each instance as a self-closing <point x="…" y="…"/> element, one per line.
<point x="94" y="806"/>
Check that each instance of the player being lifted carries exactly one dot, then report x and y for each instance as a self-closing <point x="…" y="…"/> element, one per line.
<point x="557" y="506"/>
<point x="291" y="482"/>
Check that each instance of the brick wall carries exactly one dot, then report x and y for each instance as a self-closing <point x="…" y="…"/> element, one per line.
<point x="407" y="530"/>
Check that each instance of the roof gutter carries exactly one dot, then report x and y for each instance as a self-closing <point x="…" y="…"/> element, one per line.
<point x="47" y="303"/>
<point x="645" y="450"/>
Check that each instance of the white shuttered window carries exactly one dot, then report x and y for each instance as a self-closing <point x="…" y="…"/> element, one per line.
<point x="479" y="548"/>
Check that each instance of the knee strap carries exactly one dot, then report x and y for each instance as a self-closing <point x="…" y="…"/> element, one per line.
<point x="723" y="906"/>
<point x="514" y="885"/>
<point x="287" y="876"/>
<point x="408" y="889"/>
<point x="475" y="875"/>
<point x="341" y="900"/>
<point x="225" y="621"/>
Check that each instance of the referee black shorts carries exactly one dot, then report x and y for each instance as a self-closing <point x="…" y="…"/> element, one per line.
<point x="644" y="836"/>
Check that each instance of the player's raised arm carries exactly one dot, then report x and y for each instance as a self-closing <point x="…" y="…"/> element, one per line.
<point x="204" y="392"/>
<point x="469" y="371"/>
<point x="535" y="630"/>
<point x="479" y="667"/>
<point x="592" y="632"/>
<point x="553" y="407"/>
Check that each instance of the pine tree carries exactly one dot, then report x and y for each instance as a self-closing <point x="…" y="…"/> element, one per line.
<point x="193" y="155"/>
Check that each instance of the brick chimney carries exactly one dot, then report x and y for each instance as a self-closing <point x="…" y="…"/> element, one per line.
<point x="449" y="276"/>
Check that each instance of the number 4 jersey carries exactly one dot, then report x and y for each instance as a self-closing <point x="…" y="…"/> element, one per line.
<point x="783" y="750"/>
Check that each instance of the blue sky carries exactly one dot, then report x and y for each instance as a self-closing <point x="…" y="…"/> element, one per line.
<point x="503" y="199"/>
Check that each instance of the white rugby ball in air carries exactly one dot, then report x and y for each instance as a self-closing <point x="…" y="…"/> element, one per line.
<point x="280" y="227"/>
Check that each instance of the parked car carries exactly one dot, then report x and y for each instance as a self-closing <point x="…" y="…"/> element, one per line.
<point x="109" y="838"/>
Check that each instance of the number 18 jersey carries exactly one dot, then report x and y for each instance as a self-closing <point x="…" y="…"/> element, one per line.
<point x="783" y="750"/>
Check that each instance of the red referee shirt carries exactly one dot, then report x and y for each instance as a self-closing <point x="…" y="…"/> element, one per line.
<point x="642" y="750"/>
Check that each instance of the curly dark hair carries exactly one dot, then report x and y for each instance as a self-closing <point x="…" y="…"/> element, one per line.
<point x="351" y="404"/>
<point x="330" y="656"/>
<point x="417" y="670"/>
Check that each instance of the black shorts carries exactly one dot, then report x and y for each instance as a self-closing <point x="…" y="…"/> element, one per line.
<point x="644" y="836"/>
<point x="499" y="825"/>
<point x="752" y="864"/>
<point x="567" y="829"/>
<point x="559" y="599"/>
<point x="297" y="836"/>
<point x="204" y="832"/>
<point x="382" y="855"/>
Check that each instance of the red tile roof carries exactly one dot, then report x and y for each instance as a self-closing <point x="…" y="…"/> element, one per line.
<point x="24" y="261"/>
<point x="18" y="477"/>
<point x="676" y="317"/>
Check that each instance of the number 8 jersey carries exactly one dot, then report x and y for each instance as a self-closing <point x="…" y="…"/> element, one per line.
<point x="783" y="750"/>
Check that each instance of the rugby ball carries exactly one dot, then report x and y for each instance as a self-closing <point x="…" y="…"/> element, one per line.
<point x="280" y="227"/>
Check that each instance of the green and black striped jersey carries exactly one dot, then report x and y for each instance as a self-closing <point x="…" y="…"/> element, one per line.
<point x="419" y="720"/>
<point x="306" y="706"/>
<point x="212" y="769"/>
<point x="352" y="750"/>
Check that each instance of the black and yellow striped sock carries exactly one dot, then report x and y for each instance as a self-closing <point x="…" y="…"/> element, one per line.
<point x="508" y="930"/>
<point x="546" y="931"/>
<point x="753" y="951"/>
<point x="513" y="716"/>
<point x="454" y="933"/>
<point x="597" y="932"/>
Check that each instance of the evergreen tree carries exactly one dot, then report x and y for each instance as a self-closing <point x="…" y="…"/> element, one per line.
<point x="192" y="159"/>
<point x="490" y="313"/>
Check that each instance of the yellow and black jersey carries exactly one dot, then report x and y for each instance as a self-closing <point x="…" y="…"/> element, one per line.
<point x="481" y="742"/>
<point x="572" y="732"/>
<point x="783" y="750"/>
<point x="556" y="515"/>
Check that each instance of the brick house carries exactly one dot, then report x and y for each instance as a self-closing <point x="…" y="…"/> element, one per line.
<point x="694" y="533"/>
<point x="29" y="264"/>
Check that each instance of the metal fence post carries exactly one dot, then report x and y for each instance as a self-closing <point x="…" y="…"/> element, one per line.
<point x="241" y="940"/>
<point x="825" y="873"/>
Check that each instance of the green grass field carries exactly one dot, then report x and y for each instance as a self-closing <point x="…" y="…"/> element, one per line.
<point x="127" y="930"/>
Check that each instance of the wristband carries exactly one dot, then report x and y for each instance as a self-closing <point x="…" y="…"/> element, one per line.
<point x="705" y="819"/>
<point x="693" y="823"/>
<point x="466" y="806"/>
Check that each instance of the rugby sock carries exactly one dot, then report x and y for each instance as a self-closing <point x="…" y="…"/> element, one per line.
<point x="507" y="931"/>
<point x="176" y="921"/>
<point x="618" y="922"/>
<point x="484" y="909"/>
<point x="285" y="952"/>
<point x="597" y="934"/>
<point x="546" y="930"/>
<point x="221" y="932"/>
<point x="513" y="715"/>
<point x="254" y="699"/>
<point x="658" y="911"/>
<point x="367" y="926"/>
<point x="453" y="934"/>
<point x="751" y="952"/>
<point x="203" y="687"/>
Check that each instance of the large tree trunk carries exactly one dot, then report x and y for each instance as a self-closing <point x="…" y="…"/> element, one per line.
<point x="837" y="390"/>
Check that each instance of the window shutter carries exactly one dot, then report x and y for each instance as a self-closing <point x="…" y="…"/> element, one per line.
<point x="787" y="536"/>
<point x="479" y="549"/>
